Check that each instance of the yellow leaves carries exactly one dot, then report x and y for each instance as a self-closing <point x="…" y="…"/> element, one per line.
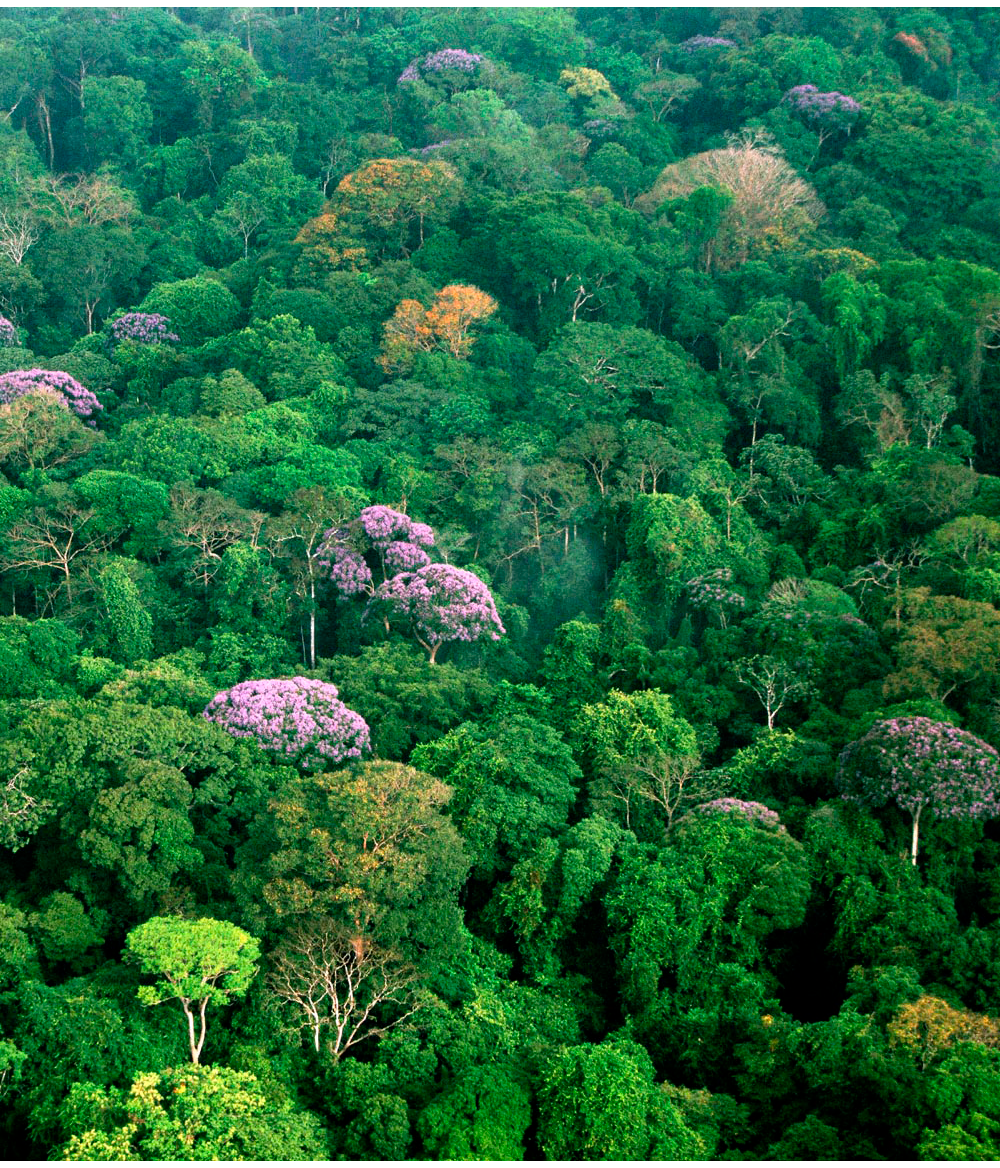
<point x="929" y="1027"/>
<point x="445" y="325"/>
<point x="585" y="83"/>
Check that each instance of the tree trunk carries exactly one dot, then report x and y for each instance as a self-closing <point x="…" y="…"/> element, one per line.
<point x="916" y="833"/>
<point x="312" y="624"/>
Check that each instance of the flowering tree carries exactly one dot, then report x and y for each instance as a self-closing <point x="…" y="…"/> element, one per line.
<point x="443" y="61"/>
<point x="441" y="603"/>
<point x="75" y="396"/>
<point x="9" y="335"/>
<point x="828" y="113"/>
<point x="835" y="111"/>
<point x="710" y="593"/>
<point x="299" y="720"/>
<point x="386" y="196"/>
<point x="386" y="536"/>
<point x="445" y="325"/>
<point x="144" y="328"/>
<point x="917" y="763"/>
<point x="756" y="813"/>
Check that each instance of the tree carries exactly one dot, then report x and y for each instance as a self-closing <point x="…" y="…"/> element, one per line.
<point x="446" y="325"/>
<point x="514" y="779"/>
<point x="482" y="1114"/>
<point x="212" y="1112"/>
<point x="117" y="120"/>
<point x="441" y="604"/>
<point x="141" y="328"/>
<point x="340" y="984"/>
<point x="74" y="395"/>
<point x="198" y="308"/>
<point x="371" y="847"/>
<point x="37" y="430"/>
<point x="947" y="645"/>
<point x="299" y="720"/>
<point x="386" y="196"/>
<point x="771" y="206"/>
<point x="918" y="763"/>
<point x="640" y="751"/>
<point x="198" y="962"/>
<point x="775" y="682"/>
<point x="128" y="628"/>
<point x="600" y="1103"/>
<point x="51" y="538"/>
<point x="263" y="195"/>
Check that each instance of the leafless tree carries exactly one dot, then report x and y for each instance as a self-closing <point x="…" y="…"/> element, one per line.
<point x="774" y="682"/>
<point x="342" y="983"/>
<point x="771" y="205"/>
<point x="206" y="523"/>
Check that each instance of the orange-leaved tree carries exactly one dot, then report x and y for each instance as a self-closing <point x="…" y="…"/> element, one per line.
<point x="445" y="325"/>
<point x="386" y="196"/>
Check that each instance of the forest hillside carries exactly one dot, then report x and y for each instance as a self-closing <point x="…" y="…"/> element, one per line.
<point x="500" y="583"/>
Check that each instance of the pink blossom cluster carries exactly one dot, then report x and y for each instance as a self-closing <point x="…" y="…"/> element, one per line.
<point x="74" y="395"/>
<point x="299" y="720"/>
<point x="349" y="573"/>
<point x="9" y="335"/>
<point x="391" y="536"/>
<point x="383" y="525"/>
<point x="440" y="61"/>
<point x="833" y="108"/>
<point x="402" y="556"/>
<point x="709" y="590"/>
<point x="758" y="814"/>
<point x="442" y="603"/>
<point x="917" y="762"/>
<point x="145" y="328"/>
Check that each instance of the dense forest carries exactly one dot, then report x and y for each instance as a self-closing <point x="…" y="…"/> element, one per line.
<point x="500" y="583"/>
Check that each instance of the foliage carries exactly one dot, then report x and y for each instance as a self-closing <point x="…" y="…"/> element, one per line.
<point x="200" y="963"/>
<point x="639" y="365"/>
<point x="221" y="1113"/>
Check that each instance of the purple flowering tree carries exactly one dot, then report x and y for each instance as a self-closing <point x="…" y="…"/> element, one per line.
<point x="143" y="328"/>
<point x="75" y="396"/>
<point x="383" y="554"/>
<point x="918" y="763"/>
<point x="827" y="113"/>
<point x="389" y="539"/>
<point x="758" y="814"/>
<point x="441" y="62"/>
<point x="299" y="720"/>
<point x="9" y="336"/>
<point x="833" y="110"/>
<point x="441" y="603"/>
<point x="710" y="593"/>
